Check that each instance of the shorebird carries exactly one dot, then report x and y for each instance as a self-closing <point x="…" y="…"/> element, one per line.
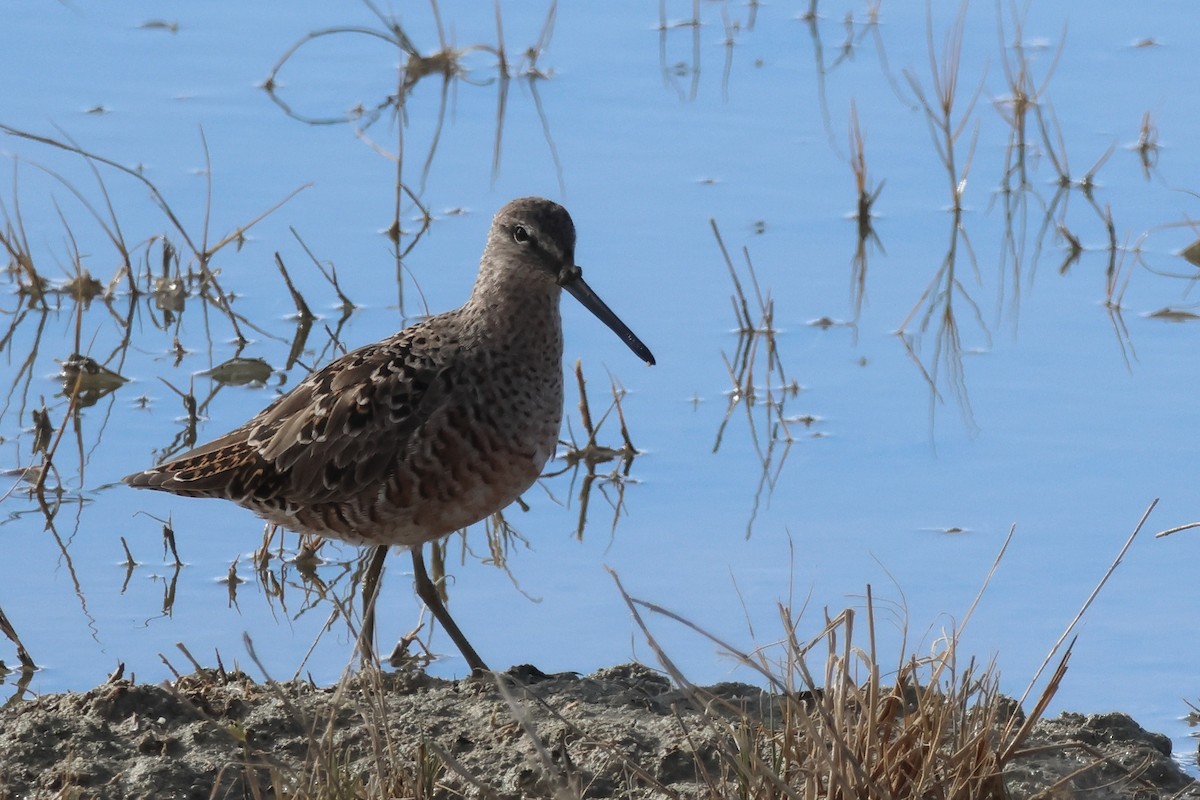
<point x="406" y="440"/>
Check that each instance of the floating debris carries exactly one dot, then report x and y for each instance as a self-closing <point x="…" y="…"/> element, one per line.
<point x="1191" y="253"/>
<point x="87" y="379"/>
<point x="83" y="287"/>
<point x="169" y="294"/>
<point x="825" y="323"/>
<point x="241" y="372"/>
<point x="1173" y="315"/>
<point x="31" y="474"/>
<point x="170" y="26"/>
<point x="952" y="530"/>
<point x="43" y="430"/>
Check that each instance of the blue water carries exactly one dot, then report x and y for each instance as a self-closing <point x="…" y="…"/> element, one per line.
<point x="1067" y="422"/>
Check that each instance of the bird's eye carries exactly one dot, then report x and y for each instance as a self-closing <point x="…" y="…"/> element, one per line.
<point x="520" y="235"/>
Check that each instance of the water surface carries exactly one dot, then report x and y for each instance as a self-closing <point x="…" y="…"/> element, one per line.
<point x="978" y="373"/>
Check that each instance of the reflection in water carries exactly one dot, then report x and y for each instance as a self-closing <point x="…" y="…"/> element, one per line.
<point x="28" y="666"/>
<point x="863" y="216"/>
<point x="1147" y="146"/>
<point x="50" y="502"/>
<point x="185" y="439"/>
<point x="936" y="310"/>
<point x="412" y="67"/>
<point x="592" y="454"/>
<point x="955" y="130"/>
<point x="1117" y="283"/>
<point x="169" y="582"/>
<point x="936" y="306"/>
<point x="313" y="578"/>
<point x="232" y="580"/>
<point x="1024" y="96"/>
<point x="1029" y="98"/>
<point x="855" y="33"/>
<point x="757" y="355"/>
<point x="671" y="73"/>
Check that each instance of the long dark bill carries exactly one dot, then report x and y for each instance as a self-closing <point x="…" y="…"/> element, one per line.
<point x="579" y="289"/>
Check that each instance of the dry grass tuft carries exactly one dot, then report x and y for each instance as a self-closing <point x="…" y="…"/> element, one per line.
<point x="854" y="726"/>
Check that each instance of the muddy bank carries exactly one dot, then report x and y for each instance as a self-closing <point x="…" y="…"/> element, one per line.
<point x="620" y="732"/>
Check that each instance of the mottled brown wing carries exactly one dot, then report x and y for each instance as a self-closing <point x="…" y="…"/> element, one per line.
<point x="361" y="419"/>
<point x="339" y="430"/>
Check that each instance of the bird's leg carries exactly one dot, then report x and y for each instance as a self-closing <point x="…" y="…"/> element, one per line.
<point x="370" y="591"/>
<point x="429" y="594"/>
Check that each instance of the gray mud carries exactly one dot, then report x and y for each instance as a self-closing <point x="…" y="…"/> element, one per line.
<point x="620" y="732"/>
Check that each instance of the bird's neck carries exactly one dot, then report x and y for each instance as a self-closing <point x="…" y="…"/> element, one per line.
<point x="515" y="311"/>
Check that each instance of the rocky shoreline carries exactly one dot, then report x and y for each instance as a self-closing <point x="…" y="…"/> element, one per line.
<point x="625" y="731"/>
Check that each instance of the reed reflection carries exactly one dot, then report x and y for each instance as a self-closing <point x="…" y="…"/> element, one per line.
<point x="415" y="66"/>
<point x="760" y="388"/>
